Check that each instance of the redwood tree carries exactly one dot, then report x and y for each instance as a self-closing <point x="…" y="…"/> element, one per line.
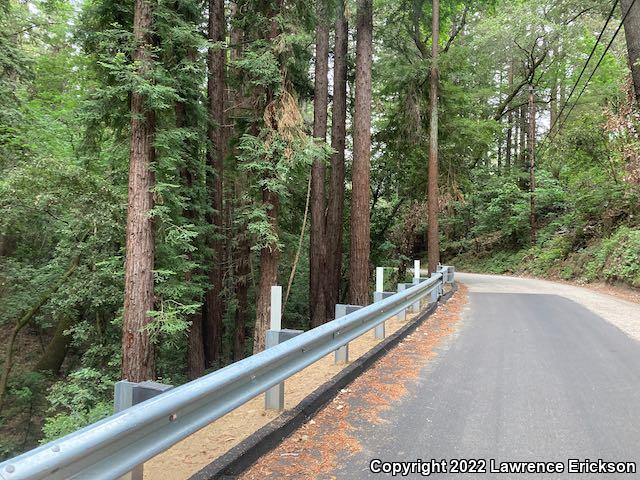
<point x="138" y="359"/>
<point x="269" y="253"/>
<point x="215" y="154"/>
<point x="335" y="207"/>
<point x="360" y="222"/>
<point x="317" y="250"/>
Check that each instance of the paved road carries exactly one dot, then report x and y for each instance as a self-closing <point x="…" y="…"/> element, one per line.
<point x="529" y="376"/>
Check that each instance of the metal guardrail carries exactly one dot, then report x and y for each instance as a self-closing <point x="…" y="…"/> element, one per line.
<point x="113" y="446"/>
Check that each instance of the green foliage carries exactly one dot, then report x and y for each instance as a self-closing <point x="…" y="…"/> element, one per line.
<point x="66" y="76"/>
<point x="84" y="397"/>
<point x="617" y="258"/>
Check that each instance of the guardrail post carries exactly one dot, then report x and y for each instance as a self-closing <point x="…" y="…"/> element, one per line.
<point x="442" y="281"/>
<point x="342" y="353"/>
<point x="274" y="397"/>
<point x="402" y="316"/>
<point x="435" y="293"/>
<point x="451" y="274"/>
<point x="127" y="394"/>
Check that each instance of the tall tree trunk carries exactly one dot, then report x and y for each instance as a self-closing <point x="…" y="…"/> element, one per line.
<point x="317" y="250"/>
<point x="509" y="122"/>
<point x="433" y="207"/>
<point x="516" y="137"/>
<point x="242" y="250"/>
<point x="553" y="99"/>
<point x="360" y="222"/>
<point x="500" y="138"/>
<point x="532" y="163"/>
<point x="195" y="348"/>
<point x="195" y="340"/>
<point x="269" y="256"/>
<point x="215" y="155"/>
<point x="335" y="209"/>
<point x="632" y="34"/>
<point x="523" y="139"/>
<point x="138" y="356"/>
<point x="242" y="274"/>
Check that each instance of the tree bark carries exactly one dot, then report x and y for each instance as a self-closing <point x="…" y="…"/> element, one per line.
<point x="215" y="155"/>
<point x="360" y="222"/>
<point x="532" y="163"/>
<point x="269" y="256"/>
<point x="138" y="355"/>
<point x="335" y="208"/>
<point x="195" y="339"/>
<point x="553" y="102"/>
<point x="516" y="137"/>
<point x="242" y="274"/>
<point x="242" y="249"/>
<point x="317" y="250"/>
<point x="632" y="34"/>
<point x="195" y="348"/>
<point x="433" y="207"/>
<point x="523" y="138"/>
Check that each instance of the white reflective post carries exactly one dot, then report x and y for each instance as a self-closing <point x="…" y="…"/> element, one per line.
<point x="379" y="330"/>
<point x="379" y="279"/>
<point x="276" y="307"/>
<point x="274" y="397"/>
<point x="416" y="279"/>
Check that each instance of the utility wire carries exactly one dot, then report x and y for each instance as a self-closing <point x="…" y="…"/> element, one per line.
<point x="551" y="135"/>
<point x="584" y="68"/>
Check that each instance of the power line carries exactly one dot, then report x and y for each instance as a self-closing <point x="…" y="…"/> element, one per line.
<point x="584" y="67"/>
<point x="552" y="135"/>
<point x="600" y="61"/>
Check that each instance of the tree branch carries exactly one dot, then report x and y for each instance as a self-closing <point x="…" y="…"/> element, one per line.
<point x="457" y="29"/>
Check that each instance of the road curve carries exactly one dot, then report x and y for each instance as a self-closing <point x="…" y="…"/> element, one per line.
<point x="534" y="374"/>
<point x="537" y="371"/>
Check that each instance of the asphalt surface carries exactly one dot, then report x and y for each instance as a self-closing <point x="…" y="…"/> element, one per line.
<point x="528" y="377"/>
